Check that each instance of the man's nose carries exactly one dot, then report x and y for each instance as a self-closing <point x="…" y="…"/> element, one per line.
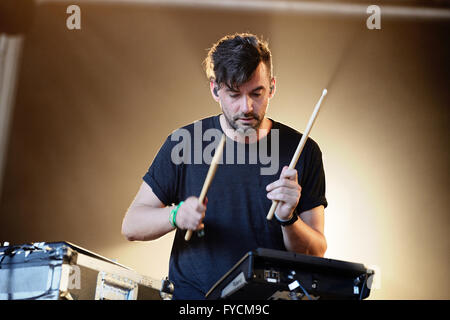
<point x="247" y="104"/>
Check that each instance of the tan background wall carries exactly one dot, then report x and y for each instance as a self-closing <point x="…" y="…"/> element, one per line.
<point x="94" y="105"/>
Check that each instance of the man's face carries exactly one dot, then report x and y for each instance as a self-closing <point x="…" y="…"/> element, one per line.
<point x="245" y="108"/>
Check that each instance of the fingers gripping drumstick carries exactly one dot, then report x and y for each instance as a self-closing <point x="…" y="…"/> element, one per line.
<point x="300" y="146"/>
<point x="211" y="172"/>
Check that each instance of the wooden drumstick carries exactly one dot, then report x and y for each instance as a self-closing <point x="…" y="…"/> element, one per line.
<point x="300" y="146"/>
<point x="209" y="177"/>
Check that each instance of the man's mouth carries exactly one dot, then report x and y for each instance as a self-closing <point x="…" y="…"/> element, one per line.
<point x="247" y="119"/>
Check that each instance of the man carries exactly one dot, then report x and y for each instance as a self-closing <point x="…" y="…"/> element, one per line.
<point x="233" y="217"/>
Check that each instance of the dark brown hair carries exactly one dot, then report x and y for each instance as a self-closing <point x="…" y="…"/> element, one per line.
<point x="233" y="59"/>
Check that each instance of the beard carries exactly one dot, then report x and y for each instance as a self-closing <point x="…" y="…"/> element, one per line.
<point x="242" y="127"/>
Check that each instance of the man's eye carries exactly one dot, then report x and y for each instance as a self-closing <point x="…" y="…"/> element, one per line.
<point x="255" y="94"/>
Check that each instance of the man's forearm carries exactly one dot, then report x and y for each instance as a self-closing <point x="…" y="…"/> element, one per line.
<point x="301" y="238"/>
<point x="146" y="223"/>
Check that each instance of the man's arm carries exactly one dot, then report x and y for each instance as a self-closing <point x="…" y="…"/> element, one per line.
<point x="147" y="217"/>
<point x="306" y="235"/>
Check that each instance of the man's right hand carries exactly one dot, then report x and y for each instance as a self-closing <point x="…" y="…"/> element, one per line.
<point x="190" y="214"/>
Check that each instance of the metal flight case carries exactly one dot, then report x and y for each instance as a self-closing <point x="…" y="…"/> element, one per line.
<point x="64" y="271"/>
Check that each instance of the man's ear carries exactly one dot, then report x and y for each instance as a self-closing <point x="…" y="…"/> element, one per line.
<point x="214" y="90"/>
<point x="272" y="87"/>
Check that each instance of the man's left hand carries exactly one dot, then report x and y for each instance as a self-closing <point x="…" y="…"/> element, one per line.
<point x="287" y="191"/>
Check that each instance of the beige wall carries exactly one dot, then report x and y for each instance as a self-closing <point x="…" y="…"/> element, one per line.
<point x="94" y="106"/>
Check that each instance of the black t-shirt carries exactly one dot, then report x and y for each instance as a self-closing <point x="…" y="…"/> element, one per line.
<point x="235" y="220"/>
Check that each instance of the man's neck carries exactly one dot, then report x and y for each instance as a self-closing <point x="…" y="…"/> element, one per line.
<point x="250" y="137"/>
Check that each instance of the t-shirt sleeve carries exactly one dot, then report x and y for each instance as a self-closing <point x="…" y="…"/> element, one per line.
<point x="163" y="175"/>
<point x="313" y="180"/>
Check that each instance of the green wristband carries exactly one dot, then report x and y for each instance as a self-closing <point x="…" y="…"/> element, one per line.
<point x="173" y="215"/>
